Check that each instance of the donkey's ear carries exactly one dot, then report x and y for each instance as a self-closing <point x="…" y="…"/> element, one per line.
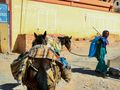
<point x="59" y="37"/>
<point x="45" y="33"/>
<point x="35" y="35"/>
<point x="70" y="37"/>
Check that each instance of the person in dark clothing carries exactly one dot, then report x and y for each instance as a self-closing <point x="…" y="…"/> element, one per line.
<point x="101" y="52"/>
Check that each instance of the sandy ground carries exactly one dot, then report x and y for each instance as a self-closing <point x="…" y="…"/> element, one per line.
<point x="83" y="75"/>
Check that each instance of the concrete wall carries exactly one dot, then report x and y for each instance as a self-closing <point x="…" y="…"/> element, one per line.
<point x="38" y="17"/>
<point x="23" y="43"/>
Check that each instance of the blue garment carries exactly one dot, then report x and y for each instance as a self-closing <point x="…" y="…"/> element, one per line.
<point x="63" y="61"/>
<point x="92" y="50"/>
<point x="94" y="45"/>
<point x="105" y="42"/>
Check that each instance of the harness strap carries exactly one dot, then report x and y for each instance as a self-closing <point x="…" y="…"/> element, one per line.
<point x="50" y="74"/>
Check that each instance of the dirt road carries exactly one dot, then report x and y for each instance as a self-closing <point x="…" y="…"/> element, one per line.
<point x="83" y="75"/>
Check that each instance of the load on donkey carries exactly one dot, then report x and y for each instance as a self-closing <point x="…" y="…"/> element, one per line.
<point x="42" y="67"/>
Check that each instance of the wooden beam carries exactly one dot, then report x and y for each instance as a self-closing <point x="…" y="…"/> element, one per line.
<point x="88" y="4"/>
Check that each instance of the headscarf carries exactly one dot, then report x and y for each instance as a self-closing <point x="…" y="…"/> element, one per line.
<point x="105" y="35"/>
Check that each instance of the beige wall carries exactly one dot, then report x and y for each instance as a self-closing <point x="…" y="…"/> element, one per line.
<point x="38" y="17"/>
<point x="16" y="21"/>
<point x="4" y="38"/>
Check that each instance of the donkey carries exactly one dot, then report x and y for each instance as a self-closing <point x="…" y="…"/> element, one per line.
<point x="64" y="41"/>
<point x="36" y="76"/>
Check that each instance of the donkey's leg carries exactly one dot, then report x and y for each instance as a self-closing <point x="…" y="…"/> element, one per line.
<point x="41" y="78"/>
<point x="28" y="88"/>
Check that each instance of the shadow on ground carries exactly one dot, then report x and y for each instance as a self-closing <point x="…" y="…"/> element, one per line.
<point x="84" y="71"/>
<point x="8" y="86"/>
<point x="92" y="72"/>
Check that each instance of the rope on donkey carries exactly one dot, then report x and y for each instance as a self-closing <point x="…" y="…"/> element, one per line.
<point x="78" y="54"/>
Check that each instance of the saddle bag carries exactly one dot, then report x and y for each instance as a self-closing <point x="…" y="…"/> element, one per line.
<point x="18" y="66"/>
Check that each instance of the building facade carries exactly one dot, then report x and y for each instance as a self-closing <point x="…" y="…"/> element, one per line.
<point x="116" y="5"/>
<point x="69" y="17"/>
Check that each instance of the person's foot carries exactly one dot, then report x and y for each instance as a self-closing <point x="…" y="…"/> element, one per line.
<point x="104" y="75"/>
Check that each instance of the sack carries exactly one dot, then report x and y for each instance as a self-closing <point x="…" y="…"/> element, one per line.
<point x="93" y="48"/>
<point x="18" y="66"/>
<point x="42" y="51"/>
<point x="115" y="71"/>
<point x="66" y="74"/>
<point x="38" y="51"/>
<point x="53" y="78"/>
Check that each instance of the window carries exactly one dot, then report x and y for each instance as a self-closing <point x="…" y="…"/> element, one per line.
<point x="117" y="3"/>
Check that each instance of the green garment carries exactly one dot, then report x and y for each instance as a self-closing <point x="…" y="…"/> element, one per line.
<point x="100" y="55"/>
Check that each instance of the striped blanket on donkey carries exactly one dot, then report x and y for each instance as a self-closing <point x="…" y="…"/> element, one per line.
<point x="27" y="59"/>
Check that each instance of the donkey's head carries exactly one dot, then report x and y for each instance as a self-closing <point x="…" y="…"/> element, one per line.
<point x="66" y="40"/>
<point x="40" y="39"/>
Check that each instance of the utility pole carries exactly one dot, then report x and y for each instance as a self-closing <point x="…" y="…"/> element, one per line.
<point x="21" y="16"/>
